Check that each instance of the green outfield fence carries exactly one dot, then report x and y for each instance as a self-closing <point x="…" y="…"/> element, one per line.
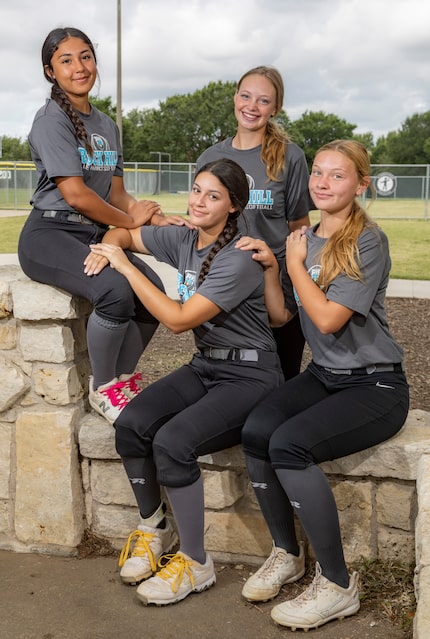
<point x="402" y="190"/>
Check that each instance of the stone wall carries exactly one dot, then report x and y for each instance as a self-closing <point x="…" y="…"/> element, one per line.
<point x="60" y="474"/>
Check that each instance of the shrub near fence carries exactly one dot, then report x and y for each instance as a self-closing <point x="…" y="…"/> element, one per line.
<point x="402" y="191"/>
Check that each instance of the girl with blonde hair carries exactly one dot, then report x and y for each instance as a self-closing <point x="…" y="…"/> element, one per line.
<point x="278" y="175"/>
<point x="353" y="395"/>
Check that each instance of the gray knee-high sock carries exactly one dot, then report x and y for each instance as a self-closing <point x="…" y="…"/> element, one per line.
<point x="187" y="504"/>
<point x="136" y="339"/>
<point x="274" y="503"/>
<point x="313" y="501"/>
<point x="104" y="338"/>
<point x="142" y="475"/>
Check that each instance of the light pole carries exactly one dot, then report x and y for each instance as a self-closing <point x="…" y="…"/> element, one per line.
<point x="118" y="71"/>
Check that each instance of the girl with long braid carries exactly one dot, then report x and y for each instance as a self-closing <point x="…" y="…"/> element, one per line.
<point x="79" y="194"/>
<point x="201" y="407"/>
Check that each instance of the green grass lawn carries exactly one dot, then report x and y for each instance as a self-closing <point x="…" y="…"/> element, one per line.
<point x="409" y="239"/>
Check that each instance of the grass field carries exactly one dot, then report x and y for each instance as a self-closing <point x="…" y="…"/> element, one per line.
<point x="409" y="238"/>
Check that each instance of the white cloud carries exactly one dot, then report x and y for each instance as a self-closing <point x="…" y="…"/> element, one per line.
<point x="363" y="60"/>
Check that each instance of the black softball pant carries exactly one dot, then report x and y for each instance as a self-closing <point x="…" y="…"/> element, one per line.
<point x="53" y="252"/>
<point x="196" y="410"/>
<point x="320" y="416"/>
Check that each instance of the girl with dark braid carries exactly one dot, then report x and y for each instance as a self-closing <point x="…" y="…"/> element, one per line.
<point x="201" y="407"/>
<point x="80" y="193"/>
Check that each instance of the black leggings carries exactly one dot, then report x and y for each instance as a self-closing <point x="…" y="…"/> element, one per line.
<point x="53" y="252"/>
<point x="196" y="410"/>
<point x="319" y="416"/>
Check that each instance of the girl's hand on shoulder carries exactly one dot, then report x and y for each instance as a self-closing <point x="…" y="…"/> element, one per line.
<point x="142" y="211"/>
<point x="175" y="220"/>
<point x="262" y="252"/>
<point x="114" y="254"/>
<point x="297" y="246"/>
<point x="94" y="264"/>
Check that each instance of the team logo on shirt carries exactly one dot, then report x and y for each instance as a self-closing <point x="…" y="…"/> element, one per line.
<point x="314" y="273"/>
<point x="258" y="198"/>
<point x="186" y="285"/>
<point x="102" y="158"/>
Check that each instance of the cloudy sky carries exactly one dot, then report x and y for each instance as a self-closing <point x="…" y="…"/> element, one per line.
<point x="364" y="60"/>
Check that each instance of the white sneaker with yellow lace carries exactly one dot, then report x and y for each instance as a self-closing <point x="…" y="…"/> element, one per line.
<point x="142" y="550"/>
<point x="177" y="579"/>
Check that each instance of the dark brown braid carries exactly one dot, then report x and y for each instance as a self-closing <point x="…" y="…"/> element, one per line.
<point x="58" y="95"/>
<point x="229" y="232"/>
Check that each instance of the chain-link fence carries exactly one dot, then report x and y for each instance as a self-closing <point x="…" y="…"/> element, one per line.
<point x="401" y="190"/>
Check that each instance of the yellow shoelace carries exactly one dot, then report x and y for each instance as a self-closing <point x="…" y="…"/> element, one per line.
<point x="141" y="548"/>
<point x="174" y="570"/>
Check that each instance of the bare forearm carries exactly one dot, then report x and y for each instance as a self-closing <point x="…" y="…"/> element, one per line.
<point x="167" y="311"/>
<point x="274" y="299"/>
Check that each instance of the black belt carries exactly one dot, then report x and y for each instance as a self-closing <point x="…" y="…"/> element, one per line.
<point x="368" y="370"/>
<point x="231" y="354"/>
<point x="68" y="216"/>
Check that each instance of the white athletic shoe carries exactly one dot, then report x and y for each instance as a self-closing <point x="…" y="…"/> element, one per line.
<point x="321" y="602"/>
<point x="279" y="568"/>
<point x="138" y="560"/>
<point x="109" y="399"/>
<point x="177" y="579"/>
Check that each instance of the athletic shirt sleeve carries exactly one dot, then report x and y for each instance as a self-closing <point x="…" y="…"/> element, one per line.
<point x="365" y="339"/>
<point x="57" y="152"/>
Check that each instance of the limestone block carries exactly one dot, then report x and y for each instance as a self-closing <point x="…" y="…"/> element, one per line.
<point x="114" y="521"/>
<point x="49" y="496"/>
<point x="58" y="385"/>
<point x="46" y="343"/>
<point x="14" y="384"/>
<point x="395" y="545"/>
<point x="394" y="504"/>
<point x="422" y="614"/>
<point x="5" y="444"/>
<point x="354" y="504"/>
<point x="231" y="457"/>
<point x="110" y="484"/>
<point x="96" y="438"/>
<point x="422" y="524"/>
<point x="8" y="334"/>
<point x="8" y="274"/>
<point x="397" y="458"/>
<point x="35" y="301"/>
<point x="4" y="518"/>
<point x="222" y="489"/>
<point x="237" y="533"/>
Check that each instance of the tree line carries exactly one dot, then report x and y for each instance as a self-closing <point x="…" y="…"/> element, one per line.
<point x="185" y="125"/>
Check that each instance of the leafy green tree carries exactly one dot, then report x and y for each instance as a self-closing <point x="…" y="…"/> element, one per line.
<point x="105" y="106"/>
<point x="185" y="125"/>
<point x="411" y="144"/>
<point x="15" y="149"/>
<point x="316" y="128"/>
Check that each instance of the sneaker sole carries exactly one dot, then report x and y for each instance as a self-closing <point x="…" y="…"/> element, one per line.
<point x="251" y="597"/>
<point x="351" y="610"/>
<point x="147" y="602"/>
<point x="135" y="581"/>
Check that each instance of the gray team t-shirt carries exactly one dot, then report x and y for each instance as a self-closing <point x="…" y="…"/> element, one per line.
<point x="365" y="339"/>
<point x="57" y="153"/>
<point x="271" y="204"/>
<point x="235" y="283"/>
